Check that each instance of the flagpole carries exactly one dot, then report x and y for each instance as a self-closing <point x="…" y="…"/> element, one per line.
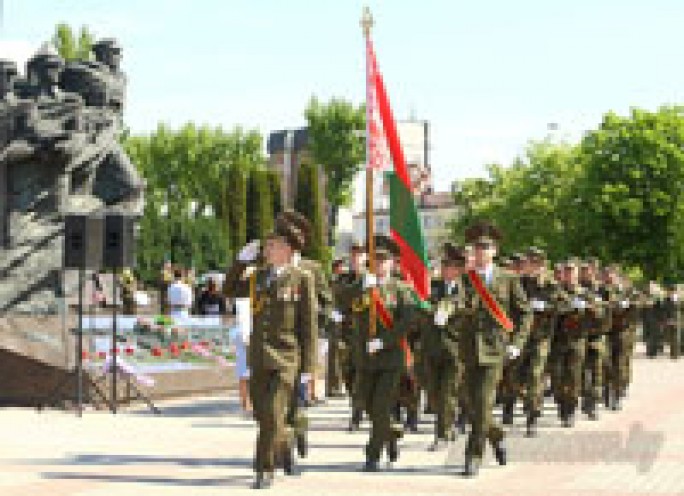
<point x="366" y="25"/>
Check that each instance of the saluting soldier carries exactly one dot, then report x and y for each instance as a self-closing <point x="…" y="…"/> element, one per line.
<point x="128" y="289"/>
<point x="489" y="336"/>
<point x="383" y="359"/>
<point x="440" y="342"/>
<point x="281" y="347"/>
<point x="296" y="417"/>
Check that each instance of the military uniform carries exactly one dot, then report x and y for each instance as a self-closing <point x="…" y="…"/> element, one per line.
<point x="544" y="296"/>
<point x="652" y="311"/>
<point x="671" y="323"/>
<point x="625" y="309"/>
<point x="284" y="313"/>
<point x="597" y="324"/>
<point x="382" y="357"/>
<point x="128" y="288"/>
<point x="484" y="342"/>
<point x="440" y="351"/>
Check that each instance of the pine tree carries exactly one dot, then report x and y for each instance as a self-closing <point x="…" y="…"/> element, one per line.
<point x="308" y="201"/>
<point x="260" y="205"/>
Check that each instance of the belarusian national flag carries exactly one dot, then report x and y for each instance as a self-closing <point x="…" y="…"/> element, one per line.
<point x="405" y="226"/>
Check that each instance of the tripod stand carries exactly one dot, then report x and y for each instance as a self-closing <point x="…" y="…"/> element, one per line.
<point x="78" y="374"/>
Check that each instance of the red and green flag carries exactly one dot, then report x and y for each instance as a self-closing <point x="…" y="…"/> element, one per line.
<point x="405" y="226"/>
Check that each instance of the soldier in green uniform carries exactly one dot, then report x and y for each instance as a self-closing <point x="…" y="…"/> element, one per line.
<point x="439" y="341"/>
<point x="488" y="335"/>
<point x="598" y="323"/>
<point x="625" y="308"/>
<point x="383" y="358"/>
<point x="356" y="296"/>
<point x="652" y="311"/>
<point x="336" y="343"/>
<point x="671" y="322"/>
<point x="578" y="305"/>
<point x="543" y="293"/>
<point x="306" y="394"/>
<point x="285" y="319"/>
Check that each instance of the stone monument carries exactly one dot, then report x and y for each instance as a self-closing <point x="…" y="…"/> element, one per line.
<point x="60" y="153"/>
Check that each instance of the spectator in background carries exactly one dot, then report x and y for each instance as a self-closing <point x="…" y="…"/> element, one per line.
<point x="211" y="302"/>
<point x="179" y="296"/>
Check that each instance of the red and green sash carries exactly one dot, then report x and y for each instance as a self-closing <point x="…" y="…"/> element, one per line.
<point x="491" y="304"/>
<point x="388" y="322"/>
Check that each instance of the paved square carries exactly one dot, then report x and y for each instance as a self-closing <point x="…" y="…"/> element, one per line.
<point x="203" y="447"/>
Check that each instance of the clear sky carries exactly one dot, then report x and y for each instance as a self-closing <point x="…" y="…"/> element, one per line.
<point x="488" y="74"/>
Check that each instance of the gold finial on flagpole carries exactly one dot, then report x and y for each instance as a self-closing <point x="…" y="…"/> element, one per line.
<point x="366" y="21"/>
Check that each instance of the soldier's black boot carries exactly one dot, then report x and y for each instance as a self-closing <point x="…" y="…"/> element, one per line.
<point x="532" y="423"/>
<point x="371" y="465"/>
<point x="500" y="452"/>
<point x="591" y="410"/>
<point x="302" y="444"/>
<point x="616" y="403"/>
<point x="397" y="413"/>
<point x="461" y="422"/>
<point x="411" y="421"/>
<point x="264" y="480"/>
<point x="472" y="467"/>
<point x="507" y="418"/>
<point x="606" y="396"/>
<point x="290" y="465"/>
<point x="355" y="422"/>
<point x="393" y="450"/>
<point x="569" y="420"/>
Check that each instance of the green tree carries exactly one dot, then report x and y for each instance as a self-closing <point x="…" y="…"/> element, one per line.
<point x="308" y="201"/>
<point x="276" y="191"/>
<point x="196" y="194"/>
<point x="336" y="141"/>
<point x="260" y="205"/>
<point x="71" y="47"/>
<point x="632" y="185"/>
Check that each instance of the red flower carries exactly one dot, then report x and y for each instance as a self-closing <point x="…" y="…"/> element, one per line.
<point x="84" y="355"/>
<point x="204" y="344"/>
<point x="156" y="351"/>
<point x="129" y="350"/>
<point x="185" y="345"/>
<point x="173" y="348"/>
<point x="102" y="355"/>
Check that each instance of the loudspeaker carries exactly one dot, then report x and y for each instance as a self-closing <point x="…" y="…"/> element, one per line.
<point x="119" y="241"/>
<point x="83" y="241"/>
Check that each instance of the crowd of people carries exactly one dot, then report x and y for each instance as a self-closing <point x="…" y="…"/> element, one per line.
<point x="505" y="332"/>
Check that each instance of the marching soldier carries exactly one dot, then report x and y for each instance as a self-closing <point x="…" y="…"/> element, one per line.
<point x="577" y="307"/>
<point x="652" y="315"/>
<point x="280" y="347"/>
<point x="296" y="418"/>
<point x="671" y="322"/>
<point x="543" y="293"/>
<point x="491" y="296"/>
<point x="624" y="305"/>
<point x="336" y="344"/>
<point x="595" y="354"/>
<point x="383" y="357"/>
<point x="440" y="343"/>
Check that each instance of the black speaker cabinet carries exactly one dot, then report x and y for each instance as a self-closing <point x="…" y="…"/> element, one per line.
<point x="83" y="241"/>
<point x="119" y="241"/>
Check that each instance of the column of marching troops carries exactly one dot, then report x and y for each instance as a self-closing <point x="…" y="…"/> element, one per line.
<point x="489" y="334"/>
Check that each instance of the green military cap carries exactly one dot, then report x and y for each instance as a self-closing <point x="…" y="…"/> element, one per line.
<point x="385" y="246"/>
<point x="357" y="247"/>
<point x="517" y="257"/>
<point x="594" y="261"/>
<point x="454" y="254"/>
<point x="290" y="233"/>
<point x="534" y="252"/>
<point x="483" y="233"/>
<point x="572" y="262"/>
<point x="297" y="219"/>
